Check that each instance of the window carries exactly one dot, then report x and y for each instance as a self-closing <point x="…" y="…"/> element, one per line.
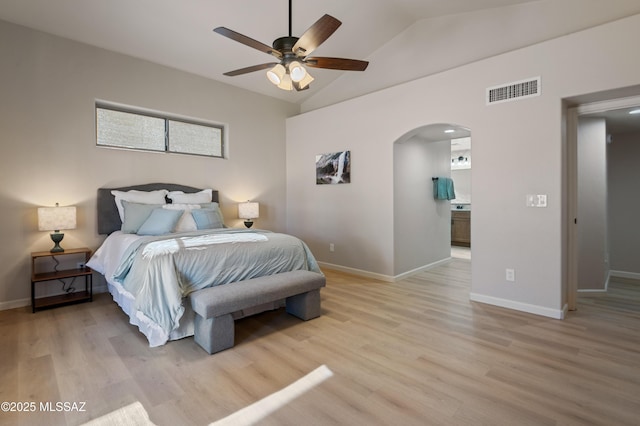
<point x="121" y="128"/>
<point x="192" y="138"/>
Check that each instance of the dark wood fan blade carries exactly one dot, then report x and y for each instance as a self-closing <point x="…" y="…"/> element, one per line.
<point x="337" y="63"/>
<point x="250" y="69"/>
<point x="316" y="35"/>
<point x="247" y="41"/>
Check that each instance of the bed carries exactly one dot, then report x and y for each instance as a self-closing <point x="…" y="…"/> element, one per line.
<point x="166" y="241"/>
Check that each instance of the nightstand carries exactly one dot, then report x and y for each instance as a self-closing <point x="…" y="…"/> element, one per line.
<point x="85" y="295"/>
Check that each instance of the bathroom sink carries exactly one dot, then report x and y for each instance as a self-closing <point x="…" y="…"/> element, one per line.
<point x="461" y="207"/>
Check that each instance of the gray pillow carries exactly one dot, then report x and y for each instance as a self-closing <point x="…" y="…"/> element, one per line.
<point x="207" y="218"/>
<point x="135" y="214"/>
<point x="160" y="222"/>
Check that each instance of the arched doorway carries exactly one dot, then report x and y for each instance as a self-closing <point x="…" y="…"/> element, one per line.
<point x="422" y="224"/>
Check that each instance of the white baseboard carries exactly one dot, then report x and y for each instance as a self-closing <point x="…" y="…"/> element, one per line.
<point x="381" y="277"/>
<point x="21" y="303"/>
<point x="12" y="304"/>
<point x="421" y="269"/>
<point x="624" y="274"/>
<point x="359" y="272"/>
<point x="519" y="306"/>
<point x="598" y="290"/>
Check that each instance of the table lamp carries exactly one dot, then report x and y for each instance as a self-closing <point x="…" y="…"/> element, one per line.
<point x="248" y="211"/>
<point x="55" y="219"/>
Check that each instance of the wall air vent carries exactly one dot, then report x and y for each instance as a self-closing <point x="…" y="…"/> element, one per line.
<point x="512" y="91"/>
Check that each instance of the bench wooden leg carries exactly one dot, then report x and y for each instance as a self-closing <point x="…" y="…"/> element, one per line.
<point x="304" y="306"/>
<point x="214" y="334"/>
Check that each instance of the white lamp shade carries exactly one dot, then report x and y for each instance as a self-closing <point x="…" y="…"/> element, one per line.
<point x="248" y="210"/>
<point x="286" y="83"/>
<point x="56" y="218"/>
<point x="276" y="74"/>
<point x="305" y="81"/>
<point x="297" y="71"/>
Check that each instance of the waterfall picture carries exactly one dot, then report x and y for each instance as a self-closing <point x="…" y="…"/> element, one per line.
<point x="333" y="168"/>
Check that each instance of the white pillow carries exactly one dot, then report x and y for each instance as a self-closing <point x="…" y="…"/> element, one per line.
<point x="186" y="222"/>
<point x="179" y="197"/>
<point x="141" y="197"/>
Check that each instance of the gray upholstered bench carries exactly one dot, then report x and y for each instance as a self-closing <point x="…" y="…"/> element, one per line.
<point x="214" y="325"/>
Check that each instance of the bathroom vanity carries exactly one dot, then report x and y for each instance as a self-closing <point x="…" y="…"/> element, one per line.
<point x="461" y="226"/>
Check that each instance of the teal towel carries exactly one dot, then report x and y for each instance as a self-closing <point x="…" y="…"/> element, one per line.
<point x="443" y="189"/>
<point x="451" y="193"/>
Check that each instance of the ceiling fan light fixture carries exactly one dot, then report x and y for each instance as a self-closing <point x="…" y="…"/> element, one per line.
<point x="302" y="84"/>
<point x="286" y="83"/>
<point x="276" y="74"/>
<point x="293" y="53"/>
<point x="297" y="71"/>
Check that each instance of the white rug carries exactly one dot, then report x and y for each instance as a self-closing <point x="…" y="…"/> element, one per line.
<point x="255" y="412"/>
<point x="130" y="415"/>
<point x="135" y="414"/>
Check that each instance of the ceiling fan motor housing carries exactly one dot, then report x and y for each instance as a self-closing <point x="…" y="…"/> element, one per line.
<point x="285" y="45"/>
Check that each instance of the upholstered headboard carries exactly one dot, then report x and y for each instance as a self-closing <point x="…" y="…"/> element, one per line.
<point x="108" y="217"/>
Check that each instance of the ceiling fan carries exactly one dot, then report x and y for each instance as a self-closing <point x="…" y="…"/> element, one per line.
<point x="293" y="53"/>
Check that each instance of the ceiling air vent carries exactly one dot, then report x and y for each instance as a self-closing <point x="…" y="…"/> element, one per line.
<point x="512" y="91"/>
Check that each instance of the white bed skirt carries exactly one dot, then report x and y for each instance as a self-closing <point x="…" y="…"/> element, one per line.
<point x="155" y="335"/>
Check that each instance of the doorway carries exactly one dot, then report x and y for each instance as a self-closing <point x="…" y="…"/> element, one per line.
<point x="422" y="223"/>
<point x="461" y="205"/>
<point x="609" y="253"/>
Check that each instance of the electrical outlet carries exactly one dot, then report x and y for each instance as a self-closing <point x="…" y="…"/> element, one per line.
<point x="80" y="265"/>
<point x="332" y="247"/>
<point x="510" y="275"/>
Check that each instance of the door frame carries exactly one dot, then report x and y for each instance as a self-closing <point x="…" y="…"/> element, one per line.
<point x="571" y="164"/>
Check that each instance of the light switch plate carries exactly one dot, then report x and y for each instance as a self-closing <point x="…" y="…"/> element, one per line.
<point x="536" y="200"/>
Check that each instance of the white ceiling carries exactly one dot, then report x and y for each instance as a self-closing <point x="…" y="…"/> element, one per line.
<point x="179" y="33"/>
<point x="620" y="121"/>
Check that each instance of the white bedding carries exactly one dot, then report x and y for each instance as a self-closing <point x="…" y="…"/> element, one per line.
<point x="107" y="259"/>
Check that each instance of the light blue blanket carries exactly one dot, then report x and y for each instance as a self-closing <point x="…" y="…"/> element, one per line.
<point x="160" y="271"/>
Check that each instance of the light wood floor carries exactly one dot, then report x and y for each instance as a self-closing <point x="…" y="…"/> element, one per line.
<point x="416" y="352"/>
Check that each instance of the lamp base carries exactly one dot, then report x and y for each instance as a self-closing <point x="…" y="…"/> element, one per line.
<point x="248" y="223"/>
<point x="56" y="237"/>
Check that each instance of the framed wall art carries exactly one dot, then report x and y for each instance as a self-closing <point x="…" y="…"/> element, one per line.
<point x="333" y="168"/>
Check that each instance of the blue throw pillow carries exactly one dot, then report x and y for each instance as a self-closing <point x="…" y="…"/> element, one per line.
<point x="216" y="208"/>
<point x="207" y="218"/>
<point x="135" y="214"/>
<point x="160" y="222"/>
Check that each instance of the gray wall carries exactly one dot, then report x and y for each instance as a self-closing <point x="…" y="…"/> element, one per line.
<point x="624" y="204"/>
<point x="422" y="227"/>
<point x="505" y="233"/>
<point x="48" y="152"/>
<point x="593" y="267"/>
